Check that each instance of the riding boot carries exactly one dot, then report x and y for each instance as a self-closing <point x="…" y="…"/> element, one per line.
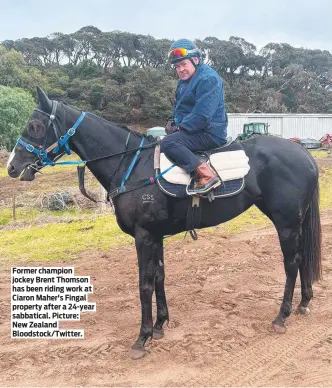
<point x="207" y="180"/>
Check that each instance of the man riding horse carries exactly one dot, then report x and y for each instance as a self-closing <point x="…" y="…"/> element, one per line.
<point x="199" y="119"/>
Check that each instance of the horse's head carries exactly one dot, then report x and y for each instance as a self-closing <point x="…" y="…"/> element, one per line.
<point x="38" y="144"/>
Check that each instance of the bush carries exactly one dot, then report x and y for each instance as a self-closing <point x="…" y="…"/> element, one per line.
<point x="16" y="106"/>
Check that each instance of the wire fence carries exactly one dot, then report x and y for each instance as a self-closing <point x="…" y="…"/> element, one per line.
<point x="39" y="196"/>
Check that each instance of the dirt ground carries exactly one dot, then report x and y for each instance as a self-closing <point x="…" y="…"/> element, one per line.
<point x="223" y="291"/>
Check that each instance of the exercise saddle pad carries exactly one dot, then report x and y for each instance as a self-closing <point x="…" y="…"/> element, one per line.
<point x="231" y="165"/>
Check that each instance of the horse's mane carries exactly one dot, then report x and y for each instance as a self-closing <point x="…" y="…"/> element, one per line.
<point x="133" y="132"/>
<point x="139" y="134"/>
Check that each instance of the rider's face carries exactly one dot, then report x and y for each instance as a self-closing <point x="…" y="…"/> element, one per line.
<point x="185" y="69"/>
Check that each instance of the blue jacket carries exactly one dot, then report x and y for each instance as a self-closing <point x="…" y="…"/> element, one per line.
<point x="200" y="104"/>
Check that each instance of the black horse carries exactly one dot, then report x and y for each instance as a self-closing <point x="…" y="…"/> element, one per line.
<point x="282" y="183"/>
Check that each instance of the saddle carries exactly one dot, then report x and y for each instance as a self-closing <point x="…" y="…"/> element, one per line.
<point x="229" y="161"/>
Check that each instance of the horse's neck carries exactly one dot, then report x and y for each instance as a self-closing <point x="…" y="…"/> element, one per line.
<point x="96" y="138"/>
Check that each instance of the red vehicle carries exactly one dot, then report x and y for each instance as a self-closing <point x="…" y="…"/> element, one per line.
<point x="295" y="139"/>
<point x="326" y="141"/>
<point x="310" y="144"/>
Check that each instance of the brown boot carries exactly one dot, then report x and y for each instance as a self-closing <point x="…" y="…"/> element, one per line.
<point x="207" y="180"/>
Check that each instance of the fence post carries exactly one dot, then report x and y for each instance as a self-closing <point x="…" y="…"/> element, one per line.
<point x="102" y="198"/>
<point x="14" y="205"/>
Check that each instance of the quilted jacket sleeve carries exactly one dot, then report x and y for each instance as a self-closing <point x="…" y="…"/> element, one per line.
<point x="208" y="98"/>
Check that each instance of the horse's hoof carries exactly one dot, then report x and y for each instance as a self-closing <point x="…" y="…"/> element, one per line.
<point x="158" y="334"/>
<point x="303" y="310"/>
<point x="280" y="329"/>
<point x="136" y="354"/>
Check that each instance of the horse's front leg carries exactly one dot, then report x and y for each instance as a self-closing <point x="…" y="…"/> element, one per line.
<point x="162" y="310"/>
<point x="148" y="248"/>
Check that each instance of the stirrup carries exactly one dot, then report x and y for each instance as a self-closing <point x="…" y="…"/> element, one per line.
<point x="211" y="185"/>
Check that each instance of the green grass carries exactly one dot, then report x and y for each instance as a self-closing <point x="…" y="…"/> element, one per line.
<point x="325" y="183"/>
<point x="64" y="241"/>
<point x="29" y="215"/>
<point x="48" y="169"/>
<point x="61" y="241"/>
<point x="26" y="215"/>
<point x="250" y="219"/>
<point x="73" y="213"/>
<point x="3" y="171"/>
<point x="255" y="218"/>
<point x="319" y="154"/>
<point x="66" y="158"/>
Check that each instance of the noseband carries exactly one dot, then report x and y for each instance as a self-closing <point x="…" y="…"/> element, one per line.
<point x="41" y="151"/>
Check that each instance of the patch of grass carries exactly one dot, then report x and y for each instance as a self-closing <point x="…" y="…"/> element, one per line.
<point x="49" y="169"/>
<point x="26" y="215"/>
<point x="61" y="241"/>
<point x="30" y="215"/>
<point x="252" y="218"/>
<point x="56" y="240"/>
<point x="319" y="154"/>
<point x="325" y="183"/>
<point x="76" y="213"/>
<point x="3" y="171"/>
<point x="59" y="168"/>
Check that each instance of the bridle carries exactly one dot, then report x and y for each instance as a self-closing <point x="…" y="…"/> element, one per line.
<point x="62" y="141"/>
<point x="42" y="152"/>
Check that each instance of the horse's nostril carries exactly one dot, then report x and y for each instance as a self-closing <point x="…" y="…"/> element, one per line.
<point x="10" y="169"/>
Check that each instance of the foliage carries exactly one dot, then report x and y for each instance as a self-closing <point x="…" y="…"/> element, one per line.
<point x="15" y="72"/>
<point x="125" y="77"/>
<point x="16" y="106"/>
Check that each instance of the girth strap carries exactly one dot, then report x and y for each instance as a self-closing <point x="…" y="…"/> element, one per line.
<point x="194" y="215"/>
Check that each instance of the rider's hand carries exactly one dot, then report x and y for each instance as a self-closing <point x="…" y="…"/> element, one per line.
<point x="171" y="127"/>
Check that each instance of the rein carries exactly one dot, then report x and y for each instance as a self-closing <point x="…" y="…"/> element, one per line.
<point x="62" y="141"/>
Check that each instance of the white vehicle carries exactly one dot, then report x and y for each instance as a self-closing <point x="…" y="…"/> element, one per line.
<point x="158" y="132"/>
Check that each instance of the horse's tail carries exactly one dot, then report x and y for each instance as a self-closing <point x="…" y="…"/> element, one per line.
<point x="311" y="239"/>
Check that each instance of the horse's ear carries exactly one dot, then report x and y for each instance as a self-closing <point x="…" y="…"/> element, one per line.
<point x="44" y="102"/>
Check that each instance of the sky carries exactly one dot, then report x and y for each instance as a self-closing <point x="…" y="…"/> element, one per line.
<point x="306" y="23"/>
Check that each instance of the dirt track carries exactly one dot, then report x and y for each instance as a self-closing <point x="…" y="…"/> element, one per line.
<point x="223" y="293"/>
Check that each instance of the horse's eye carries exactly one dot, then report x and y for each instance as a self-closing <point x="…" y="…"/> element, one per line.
<point x="36" y="129"/>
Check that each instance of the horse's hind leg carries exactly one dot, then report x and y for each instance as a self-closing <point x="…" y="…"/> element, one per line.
<point x="310" y="268"/>
<point x="306" y="289"/>
<point x="301" y="246"/>
<point x="289" y="241"/>
<point x="162" y="310"/>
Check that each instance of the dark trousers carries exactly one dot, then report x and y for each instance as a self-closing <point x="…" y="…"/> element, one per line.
<point x="179" y="146"/>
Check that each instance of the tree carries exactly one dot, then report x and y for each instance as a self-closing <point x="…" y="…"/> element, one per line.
<point x="16" y="106"/>
<point x="148" y="92"/>
<point x="126" y="77"/>
<point x="14" y="71"/>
